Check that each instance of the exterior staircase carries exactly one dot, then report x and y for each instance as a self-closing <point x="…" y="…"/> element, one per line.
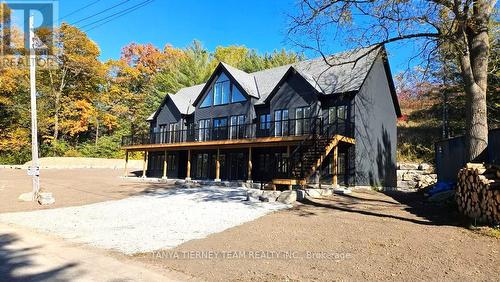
<point x="308" y="157"/>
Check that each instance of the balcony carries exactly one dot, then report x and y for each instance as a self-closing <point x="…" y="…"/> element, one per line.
<point x="272" y="131"/>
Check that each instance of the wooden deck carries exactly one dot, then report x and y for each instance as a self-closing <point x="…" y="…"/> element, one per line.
<point x="226" y="144"/>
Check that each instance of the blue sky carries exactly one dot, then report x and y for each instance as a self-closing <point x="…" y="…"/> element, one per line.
<point x="258" y="24"/>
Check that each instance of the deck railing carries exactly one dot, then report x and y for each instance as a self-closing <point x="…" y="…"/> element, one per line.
<point x="288" y="127"/>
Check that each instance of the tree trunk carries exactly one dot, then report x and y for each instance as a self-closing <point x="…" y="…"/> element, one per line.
<point x="96" y="130"/>
<point x="56" y="115"/>
<point x="474" y="64"/>
<point x="476" y="124"/>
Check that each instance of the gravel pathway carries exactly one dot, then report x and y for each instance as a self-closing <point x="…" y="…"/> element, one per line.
<point x="159" y="220"/>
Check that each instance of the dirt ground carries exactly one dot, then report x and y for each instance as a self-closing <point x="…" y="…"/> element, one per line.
<point x="70" y="187"/>
<point x="364" y="235"/>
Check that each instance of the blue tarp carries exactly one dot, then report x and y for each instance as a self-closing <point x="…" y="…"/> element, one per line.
<point x="441" y="186"/>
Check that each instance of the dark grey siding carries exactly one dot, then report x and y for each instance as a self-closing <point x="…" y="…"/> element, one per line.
<point x="168" y="114"/>
<point x="294" y="92"/>
<point x="375" y="131"/>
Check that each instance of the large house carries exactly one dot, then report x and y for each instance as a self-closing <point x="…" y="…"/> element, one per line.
<point x="327" y="121"/>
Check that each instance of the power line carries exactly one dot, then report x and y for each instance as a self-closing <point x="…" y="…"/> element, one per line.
<point x="101" y="12"/>
<point x="79" y="9"/>
<point x="118" y="15"/>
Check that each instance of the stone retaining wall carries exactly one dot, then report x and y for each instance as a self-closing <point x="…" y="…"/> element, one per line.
<point x="414" y="176"/>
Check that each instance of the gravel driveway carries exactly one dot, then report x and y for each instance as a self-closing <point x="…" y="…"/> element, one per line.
<point x="159" y="220"/>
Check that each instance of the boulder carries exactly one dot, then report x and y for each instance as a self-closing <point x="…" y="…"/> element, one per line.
<point x="313" y="193"/>
<point x="342" y="191"/>
<point x="264" y="199"/>
<point x="287" y="197"/>
<point x="254" y="193"/>
<point x="407" y="184"/>
<point x="424" y="166"/>
<point x="46" y="198"/>
<point x="407" y="166"/>
<point x="26" y="197"/>
<point x="272" y="195"/>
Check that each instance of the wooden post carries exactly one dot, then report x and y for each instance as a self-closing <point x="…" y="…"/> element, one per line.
<point x="334" y="166"/>
<point x="288" y="163"/>
<point x="145" y="164"/>
<point x="188" y="173"/>
<point x="249" y="165"/>
<point x="165" y="166"/>
<point x="217" y="167"/>
<point x="125" y="173"/>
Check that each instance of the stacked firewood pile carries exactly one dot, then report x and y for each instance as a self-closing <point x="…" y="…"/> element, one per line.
<point x="478" y="192"/>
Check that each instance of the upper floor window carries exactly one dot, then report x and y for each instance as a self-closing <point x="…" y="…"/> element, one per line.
<point x="337" y="112"/>
<point x="223" y="92"/>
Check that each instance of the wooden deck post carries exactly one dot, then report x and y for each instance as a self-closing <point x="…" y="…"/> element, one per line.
<point x="188" y="172"/>
<point x="125" y="173"/>
<point x="145" y="164"/>
<point x="287" y="166"/>
<point x="217" y="167"/>
<point x="165" y="163"/>
<point x="334" y="166"/>
<point x="249" y="178"/>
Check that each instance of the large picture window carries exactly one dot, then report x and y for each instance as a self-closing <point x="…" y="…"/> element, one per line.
<point x="223" y="92"/>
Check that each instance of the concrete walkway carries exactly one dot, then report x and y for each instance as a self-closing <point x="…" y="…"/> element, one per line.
<point x="29" y="256"/>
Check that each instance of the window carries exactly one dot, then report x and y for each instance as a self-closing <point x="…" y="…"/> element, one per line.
<point x="342" y="112"/>
<point x="236" y="95"/>
<point x="163" y="134"/>
<point x="223" y="92"/>
<point x="302" y="123"/>
<point x="265" y="121"/>
<point x="172" y="132"/>
<point x="237" y="127"/>
<point x="203" y="130"/>
<point x="220" y="129"/>
<point x="207" y="102"/>
<point x="337" y="112"/>
<point x="281" y="122"/>
<point x="171" y="163"/>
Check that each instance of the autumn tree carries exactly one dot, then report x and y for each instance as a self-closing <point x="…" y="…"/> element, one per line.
<point x="462" y="26"/>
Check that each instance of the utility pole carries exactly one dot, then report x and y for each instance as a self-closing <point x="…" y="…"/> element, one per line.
<point x="35" y="170"/>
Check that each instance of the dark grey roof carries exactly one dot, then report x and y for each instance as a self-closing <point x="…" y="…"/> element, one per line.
<point x="344" y="72"/>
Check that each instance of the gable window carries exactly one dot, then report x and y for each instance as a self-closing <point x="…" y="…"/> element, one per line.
<point x="236" y="95"/>
<point x="223" y="92"/>
<point x="207" y="102"/>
